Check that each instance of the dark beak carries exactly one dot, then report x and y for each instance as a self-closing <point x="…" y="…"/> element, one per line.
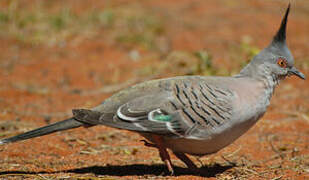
<point x="296" y="72"/>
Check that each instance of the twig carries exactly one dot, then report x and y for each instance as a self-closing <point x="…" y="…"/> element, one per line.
<point x="298" y="114"/>
<point x="233" y="153"/>
<point x="230" y="162"/>
<point x="274" y="157"/>
<point x="277" y="178"/>
<point x="230" y="155"/>
<point x="254" y="172"/>
<point x="199" y="160"/>
<point x="26" y="175"/>
<point x="275" y="150"/>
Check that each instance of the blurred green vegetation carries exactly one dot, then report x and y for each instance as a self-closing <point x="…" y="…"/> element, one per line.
<point x="132" y="27"/>
<point x="141" y="30"/>
<point x="241" y="54"/>
<point x="37" y="25"/>
<point x="204" y="65"/>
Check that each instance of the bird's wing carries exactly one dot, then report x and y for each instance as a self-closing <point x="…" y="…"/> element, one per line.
<point x="186" y="109"/>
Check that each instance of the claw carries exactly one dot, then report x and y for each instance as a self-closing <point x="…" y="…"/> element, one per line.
<point x="148" y="144"/>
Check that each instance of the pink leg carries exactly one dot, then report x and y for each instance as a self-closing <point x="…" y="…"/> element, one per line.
<point x="165" y="157"/>
<point x="184" y="158"/>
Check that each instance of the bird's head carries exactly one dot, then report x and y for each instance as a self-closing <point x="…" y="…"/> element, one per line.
<point x="276" y="60"/>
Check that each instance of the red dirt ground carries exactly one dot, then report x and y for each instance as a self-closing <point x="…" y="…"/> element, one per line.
<point x="40" y="83"/>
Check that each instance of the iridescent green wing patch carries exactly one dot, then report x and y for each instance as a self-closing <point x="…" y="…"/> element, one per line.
<point x="163" y="118"/>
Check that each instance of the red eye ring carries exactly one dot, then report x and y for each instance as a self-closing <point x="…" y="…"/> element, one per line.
<point x="282" y="62"/>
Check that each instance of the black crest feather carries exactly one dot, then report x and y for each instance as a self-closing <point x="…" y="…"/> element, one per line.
<point x="281" y="34"/>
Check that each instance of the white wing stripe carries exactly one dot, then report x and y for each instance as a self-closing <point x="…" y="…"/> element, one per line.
<point x="124" y="117"/>
<point x="151" y="114"/>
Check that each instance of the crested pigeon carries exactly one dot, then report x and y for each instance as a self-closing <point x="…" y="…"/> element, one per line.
<point x="193" y="115"/>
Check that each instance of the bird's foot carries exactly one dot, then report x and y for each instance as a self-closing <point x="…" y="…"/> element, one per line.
<point x="189" y="163"/>
<point x="148" y="144"/>
<point x="163" y="152"/>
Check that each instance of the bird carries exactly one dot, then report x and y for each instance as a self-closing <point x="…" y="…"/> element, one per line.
<point x="190" y="115"/>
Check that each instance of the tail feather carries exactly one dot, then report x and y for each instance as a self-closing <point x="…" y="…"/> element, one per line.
<point x="58" y="126"/>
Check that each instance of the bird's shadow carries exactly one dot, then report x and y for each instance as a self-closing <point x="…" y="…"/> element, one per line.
<point x="135" y="170"/>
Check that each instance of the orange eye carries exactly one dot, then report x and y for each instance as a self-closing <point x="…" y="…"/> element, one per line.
<point x="282" y="62"/>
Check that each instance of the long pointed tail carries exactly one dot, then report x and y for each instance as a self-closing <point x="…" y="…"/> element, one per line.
<point x="58" y="126"/>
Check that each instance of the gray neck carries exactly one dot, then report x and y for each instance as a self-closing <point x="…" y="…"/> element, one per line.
<point x="261" y="73"/>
